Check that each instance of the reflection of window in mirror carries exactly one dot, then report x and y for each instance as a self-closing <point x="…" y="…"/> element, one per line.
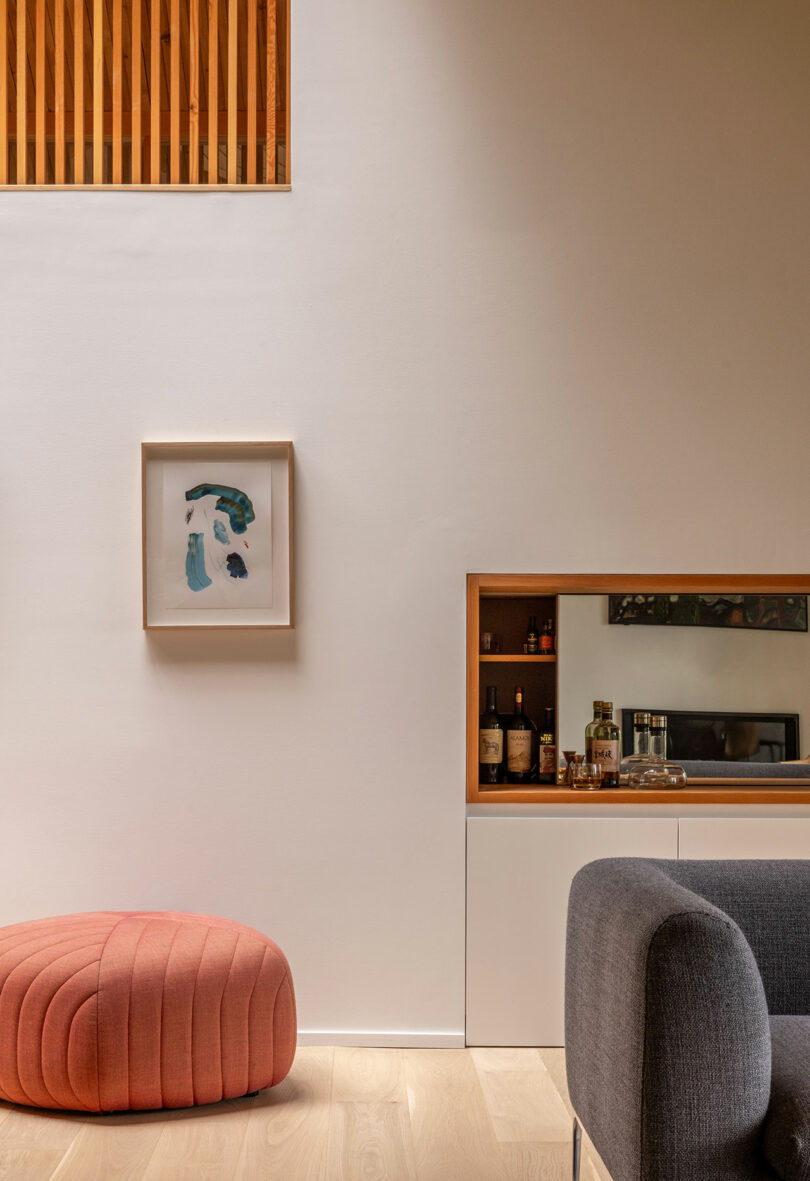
<point x="737" y="695"/>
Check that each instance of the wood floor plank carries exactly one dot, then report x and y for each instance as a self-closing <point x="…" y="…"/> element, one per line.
<point x="453" y="1138"/>
<point x="370" y="1142"/>
<point x="29" y="1127"/>
<point x="118" y="1148"/>
<point x="288" y="1126"/>
<point x="505" y="1057"/>
<point x="538" y="1162"/>
<point x="361" y="1075"/>
<point x="553" y="1058"/>
<point x="201" y="1144"/>
<point x="523" y="1104"/>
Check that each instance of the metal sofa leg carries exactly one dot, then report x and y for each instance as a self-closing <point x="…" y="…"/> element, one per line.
<point x="577" y="1151"/>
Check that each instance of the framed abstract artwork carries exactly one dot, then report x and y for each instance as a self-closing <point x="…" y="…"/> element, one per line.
<point x="217" y="535"/>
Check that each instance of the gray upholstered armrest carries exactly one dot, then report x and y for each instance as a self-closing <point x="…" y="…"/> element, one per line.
<point x="667" y="1038"/>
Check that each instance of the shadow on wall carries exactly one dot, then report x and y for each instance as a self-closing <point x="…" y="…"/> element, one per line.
<point x="198" y="647"/>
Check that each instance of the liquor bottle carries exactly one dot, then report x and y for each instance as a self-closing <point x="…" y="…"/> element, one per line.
<point x="532" y="637"/>
<point x="519" y="732"/>
<point x="490" y="741"/>
<point x="547" y="756"/>
<point x="547" y="638"/>
<point x="606" y="747"/>
<point x="590" y="730"/>
<point x="658" y="736"/>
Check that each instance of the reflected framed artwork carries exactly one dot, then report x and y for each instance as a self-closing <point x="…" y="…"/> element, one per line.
<point x="217" y="535"/>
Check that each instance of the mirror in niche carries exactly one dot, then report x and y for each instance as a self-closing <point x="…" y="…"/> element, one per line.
<point x="730" y="672"/>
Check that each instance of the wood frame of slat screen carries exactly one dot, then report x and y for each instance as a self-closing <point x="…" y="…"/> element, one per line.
<point x="145" y="94"/>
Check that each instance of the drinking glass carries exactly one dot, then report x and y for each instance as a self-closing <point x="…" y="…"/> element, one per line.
<point x="586" y="776"/>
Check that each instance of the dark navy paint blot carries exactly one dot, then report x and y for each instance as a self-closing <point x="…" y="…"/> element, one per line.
<point x="236" y="567"/>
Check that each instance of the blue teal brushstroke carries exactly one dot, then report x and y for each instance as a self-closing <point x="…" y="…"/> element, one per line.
<point x="196" y="576"/>
<point x="236" y="504"/>
<point x="236" y="567"/>
<point x="221" y="533"/>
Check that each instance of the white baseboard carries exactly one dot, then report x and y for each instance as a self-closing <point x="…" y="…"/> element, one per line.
<point x="396" y="1038"/>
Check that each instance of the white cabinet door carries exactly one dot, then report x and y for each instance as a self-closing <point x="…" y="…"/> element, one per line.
<point x="519" y="873"/>
<point x="738" y="837"/>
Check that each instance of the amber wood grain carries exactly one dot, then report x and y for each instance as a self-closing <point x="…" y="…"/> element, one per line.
<point x="4" y="89"/>
<point x="59" y="91"/>
<point x="233" y="9"/>
<point x="98" y="92"/>
<point x="252" y="98"/>
<point x="595" y="584"/>
<point x="194" y="92"/>
<point x="78" y="92"/>
<point x="39" y="97"/>
<point x="473" y="674"/>
<point x="174" y="94"/>
<point x="22" y="94"/>
<point x="154" y="93"/>
<point x="117" y="95"/>
<point x="287" y="111"/>
<point x="271" y="84"/>
<point x="213" y="98"/>
<point x="136" y="90"/>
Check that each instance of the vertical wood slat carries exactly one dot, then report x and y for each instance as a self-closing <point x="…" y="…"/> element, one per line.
<point x="22" y="96"/>
<point x="252" y="64"/>
<point x="59" y="91"/>
<point x="270" y="97"/>
<point x="194" y="92"/>
<point x="288" y="96"/>
<point x="78" y="92"/>
<point x="174" y="94"/>
<point x="3" y="95"/>
<point x="154" y="96"/>
<point x="98" y="92"/>
<point x="213" y="96"/>
<point x="136" y="88"/>
<point x="117" y="95"/>
<point x="39" y="80"/>
<point x="232" y="91"/>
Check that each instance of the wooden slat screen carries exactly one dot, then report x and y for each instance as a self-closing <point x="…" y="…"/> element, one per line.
<point x="144" y="92"/>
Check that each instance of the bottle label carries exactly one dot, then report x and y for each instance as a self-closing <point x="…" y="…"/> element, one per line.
<point x="490" y="746"/>
<point x="606" y="753"/>
<point x="548" y="759"/>
<point x="546" y="643"/>
<point x="519" y="751"/>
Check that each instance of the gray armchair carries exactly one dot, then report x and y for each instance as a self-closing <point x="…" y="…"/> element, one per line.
<point x="687" y="1033"/>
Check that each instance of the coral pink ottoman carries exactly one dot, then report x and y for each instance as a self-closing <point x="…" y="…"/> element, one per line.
<point x="114" y="1011"/>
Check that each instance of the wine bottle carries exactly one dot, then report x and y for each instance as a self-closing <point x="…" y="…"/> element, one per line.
<point x="590" y="730"/>
<point x="532" y="637"/>
<point x="606" y="746"/>
<point x="547" y="638"/>
<point x="490" y="741"/>
<point x="547" y="758"/>
<point x="519" y="731"/>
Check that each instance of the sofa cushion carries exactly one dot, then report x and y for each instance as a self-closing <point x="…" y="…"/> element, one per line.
<point x="787" y="1126"/>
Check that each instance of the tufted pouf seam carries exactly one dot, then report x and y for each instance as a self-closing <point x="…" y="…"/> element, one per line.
<point x="134" y="1010"/>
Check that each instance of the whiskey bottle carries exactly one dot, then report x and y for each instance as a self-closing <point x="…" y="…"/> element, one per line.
<point x="606" y="746"/>
<point x="519" y="731"/>
<point x="532" y="637"/>
<point x="490" y="741"/>
<point x="547" y="753"/>
<point x="590" y="730"/>
<point x="547" y="638"/>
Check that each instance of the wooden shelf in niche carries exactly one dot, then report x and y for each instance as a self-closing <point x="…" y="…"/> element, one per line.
<point x="518" y="659"/>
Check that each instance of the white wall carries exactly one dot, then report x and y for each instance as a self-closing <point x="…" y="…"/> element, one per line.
<point x="543" y="264"/>
<point x="689" y="668"/>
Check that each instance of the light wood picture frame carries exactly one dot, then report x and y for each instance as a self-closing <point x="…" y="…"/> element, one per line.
<point x="217" y="535"/>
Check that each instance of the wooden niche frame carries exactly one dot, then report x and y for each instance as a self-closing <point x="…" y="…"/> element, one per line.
<point x="486" y="591"/>
<point x="168" y="467"/>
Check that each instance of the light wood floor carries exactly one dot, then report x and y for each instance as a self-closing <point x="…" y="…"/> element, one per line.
<point x="341" y="1115"/>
